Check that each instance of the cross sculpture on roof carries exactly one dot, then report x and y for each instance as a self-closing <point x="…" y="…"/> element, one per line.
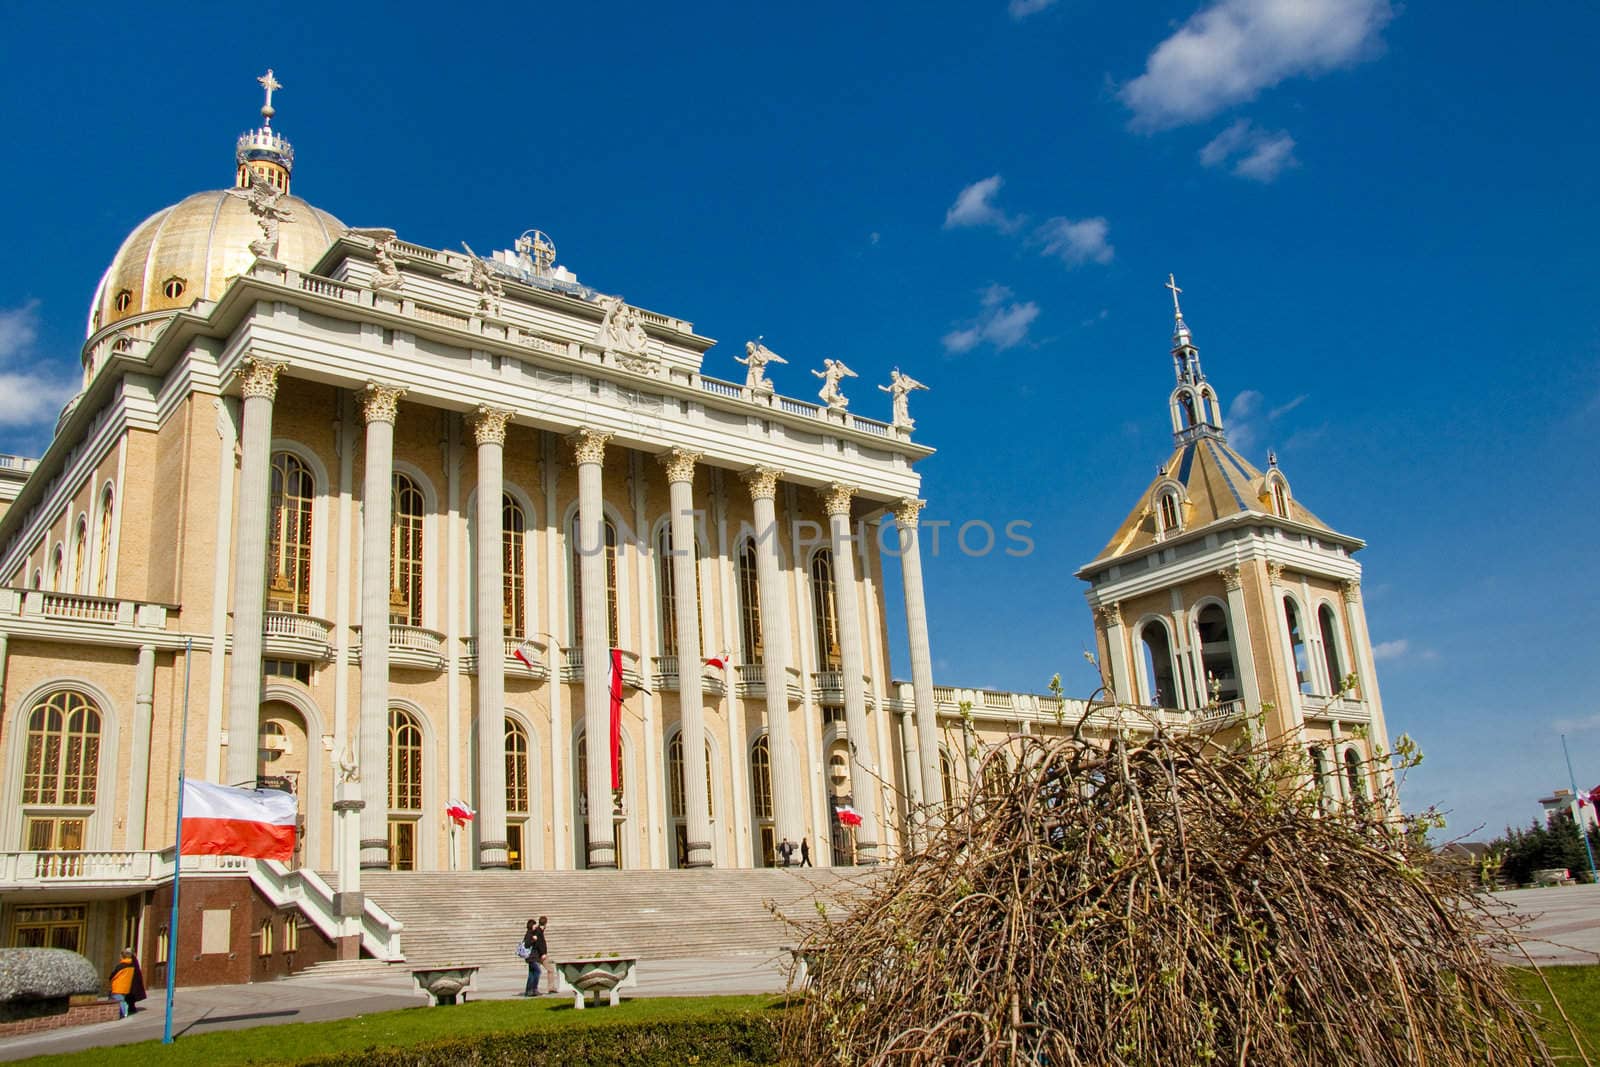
<point x="269" y="83"/>
<point x="1173" y="285"/>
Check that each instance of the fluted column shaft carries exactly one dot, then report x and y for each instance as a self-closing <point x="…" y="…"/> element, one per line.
<point x="774" y="602"/>
<point x="905" y="517"/>
<point x="379" y="407"/>
<point x="260" y="388"/>
<point x="589" y="448"/>
<point x="489" y="430"/>
<point x="853" y="662"/>
<point x="691" y="678"/>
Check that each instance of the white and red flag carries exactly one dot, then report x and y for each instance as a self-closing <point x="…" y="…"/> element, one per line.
<point x="526" y="653"/>
<point x="221" y="820"/>
<point x="848" y="816"/>
<point x="719" y="662"/>
<point x="616" y="718"/>
<point x="459" y="812"/>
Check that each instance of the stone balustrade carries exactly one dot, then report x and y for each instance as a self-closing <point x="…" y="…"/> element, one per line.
<point x="290" y="636"/>
<point x="751" y="682"/>
<point x="77" y="618"/>
<point x="572" y="669"/>
<point x="536" y="651"/>
<point x="666" y="676"/>
<point x="410" y="646"/>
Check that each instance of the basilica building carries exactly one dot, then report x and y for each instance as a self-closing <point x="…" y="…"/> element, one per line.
<point x="404" y="530"/>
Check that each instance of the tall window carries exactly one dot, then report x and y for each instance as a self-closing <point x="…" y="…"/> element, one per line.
<point x="103" y="549"/>
<point x="611" y="582"/>
<point x="405" y="788"/>
<point x="825" y="611"/>
<point x="677" y="806"/>
<point x="1330" y="649"/>
<point x="583" y="770"/>
<point x="1354" y="778"/>
<point x="665" y="583"/>
<point x="947" y="778"/>
<point x="289" y="537"/>
<point x="80" y="548"/>
<point x="761" y="778"/>
<point x="749" y="603"/>
<point x="1319" y="775"/>
<point x="1280" y="498"/>
<point x="405" y="567"/>
<point x="1169" y="512"/>
<point x="1157" y="645"/>
<point x="516" y="767"/>
<point x="61" y="769"/>
<point x="56" y="568"/>
<point x="1216" y="655"/>
<point x="513" y="555"/>
<point x="1297" y="645"/>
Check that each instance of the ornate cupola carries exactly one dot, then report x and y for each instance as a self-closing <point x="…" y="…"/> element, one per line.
<point x="262" y="150"/>
<point x="1196" y="411"/>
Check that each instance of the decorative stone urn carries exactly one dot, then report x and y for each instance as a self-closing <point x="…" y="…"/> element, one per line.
<point x="601" y="974"/>
<point x="445" y="985"/>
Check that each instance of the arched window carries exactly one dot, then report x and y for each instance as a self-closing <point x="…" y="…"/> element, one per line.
<point x="1186" y="402"/>
<point x="80" y="548"/>
<point x="1170" y="522"/>
<point x="61" y="770"/>
<point x="583" y="770"/>
<point x="1319" y="775"/>
<point x="1280" y="496"/>
<point x="38" y="578"/>
<point x="947" y="778"/>
<point x="405" y="566"/>
<point x="825" y="611"/>
<point x="1330" y="649"/>
<point x="677" y="806"/>
<point x="1158" y="688"/>
<point x="513" y="557"/>
<point x="611" y="582"/>
<point x="103" y="550"/>
<point x="1216" y="654"/>
<point x="289" y="537"/>
<point x="405" y="788"/>
<point x="1354" y="778"/>
<point x="56" y="568"/>
<point x="749" y="603"/>
<point x="665" y="585"/>
<point x="1297" y="645"/>
<point x="516" y="767"/>
<point x="761" y="778"/>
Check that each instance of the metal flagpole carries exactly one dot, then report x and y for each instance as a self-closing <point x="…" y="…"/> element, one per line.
<point x="177" y="846"/>
<point x="1577" y="809"/>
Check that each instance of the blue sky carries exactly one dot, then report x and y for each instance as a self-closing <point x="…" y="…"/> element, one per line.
<point x="1381" y="216"/>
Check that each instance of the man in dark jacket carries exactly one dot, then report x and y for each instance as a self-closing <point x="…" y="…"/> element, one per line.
<point x="542" y="949"/>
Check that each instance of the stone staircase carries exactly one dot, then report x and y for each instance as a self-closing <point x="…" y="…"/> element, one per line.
<point x="477" y="917"/>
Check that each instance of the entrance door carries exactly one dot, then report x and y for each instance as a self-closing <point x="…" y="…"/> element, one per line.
<point x="769" y="846"/>
<point x="680" y="844"/>
<point x="402" y="844"/>
<point x="514" y="845"/>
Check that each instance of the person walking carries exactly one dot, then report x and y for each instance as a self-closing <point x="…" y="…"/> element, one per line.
<point x="543" y="948"/>
<point x="805" y="852"/>
<point x="786" y="851"/>
<point x="532" y="951"/>
<point x="127" y="983"/>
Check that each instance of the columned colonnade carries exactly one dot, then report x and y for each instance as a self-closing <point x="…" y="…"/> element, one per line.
<point x="379" y="407"/>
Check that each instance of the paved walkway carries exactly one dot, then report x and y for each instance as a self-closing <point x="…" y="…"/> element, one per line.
<point x="1562" y="926"/>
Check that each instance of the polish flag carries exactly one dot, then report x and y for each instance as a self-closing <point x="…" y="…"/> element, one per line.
<point x="525" y="652"/>
<point x="719" y="662"/>
<point x="848" y="816"/>
<point x="616" y="718"/>
<point x="459" y="812"/>
<point x="221" y="820"/>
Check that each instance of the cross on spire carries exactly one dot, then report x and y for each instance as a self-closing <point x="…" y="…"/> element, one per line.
<point x="269" y="83"/>
<point x="1171" y="284"/>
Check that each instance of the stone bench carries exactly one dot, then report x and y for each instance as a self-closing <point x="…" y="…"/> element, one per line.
<point x="444" y="985"/>
<point x="1552" y="876"/>
<point x="602" y="974"/>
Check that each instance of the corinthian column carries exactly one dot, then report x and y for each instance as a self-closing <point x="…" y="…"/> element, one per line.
<point x="679" y="466"/>
<point x="589" y="449"/>
<point x="905" y="520"/>
<point x="489" y="430"/>
<point x="379" y="405"/>
<point x="774" y="602"/>
<point x="260" y="388"/>
<point x="853" y="663"/>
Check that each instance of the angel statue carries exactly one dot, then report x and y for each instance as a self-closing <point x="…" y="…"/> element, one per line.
<point x="899" y="387"/>
<point x="832" y="373"/>
<point x="383" y="242"/>
<point x="263" y="199"/>
<point x="478" y="275"/>
<point x="756" y="358"/>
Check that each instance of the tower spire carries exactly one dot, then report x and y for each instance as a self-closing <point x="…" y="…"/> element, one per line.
<point x="1195" y="409"/>
<point x="263" y="152"/>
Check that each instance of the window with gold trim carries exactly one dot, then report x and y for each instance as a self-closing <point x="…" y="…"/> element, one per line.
<point x="750" y="647"/>
<point x="405" y="566"/>
<point x="761" y="778"/>
<point x="677" y="806"/>
<point x="80" y="548"/>
<point x="576" y="566"/>
<point x="103" y="544"/>
<point x="513" y="557"/>
<point x="516" y="767"/>
<point x="289" y="536"/>
<point x="63" y="758"/>
<point x="666" y="585"/>
<point x="405" y="762"/>
<point x="825" y="611"/>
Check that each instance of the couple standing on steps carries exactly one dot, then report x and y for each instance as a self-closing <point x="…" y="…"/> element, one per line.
<point x="536" y="952"/>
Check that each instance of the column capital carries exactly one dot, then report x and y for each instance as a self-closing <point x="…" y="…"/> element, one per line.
<point x="381" y="403"/>
<point x="762" y="482"/>
<point x="1109" y="614"/>
<point x="836" y="498"/>
<point x="1230" y="578"/>
<point x="679" y="464"/>
<point x="1350" y="589"/>
<point x="489" y="425"/>
<point x="589" y="445"/>
<point x="906" y="511"/>
<point x="259" y="377"/>
<point x="1275" y="571"/>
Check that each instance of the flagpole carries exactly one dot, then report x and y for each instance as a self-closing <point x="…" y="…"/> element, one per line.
<point x="177" y="846"/>
<point x="1577" y="810"/>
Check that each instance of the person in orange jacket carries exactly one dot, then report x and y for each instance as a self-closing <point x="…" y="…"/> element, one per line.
<point x="127" y="983"/>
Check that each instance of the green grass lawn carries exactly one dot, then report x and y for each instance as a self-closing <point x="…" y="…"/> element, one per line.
<point x="1578" y="989"/>
<point x="292" y="1042"/>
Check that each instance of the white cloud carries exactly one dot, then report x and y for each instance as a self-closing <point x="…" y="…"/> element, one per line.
<point x="1249" y="418"/>
<point x="1021" y="9"/>
<point x="1229" y="52"/>
<point x="26" y="398"/>
<point x="1577" y="726"/>
<point x="1076" y="241"/>
<point x="1385" y="650"/>
<point x="1256" y="154"/>
<point x="1002" y="322"/>
<point x="975" y="206"/>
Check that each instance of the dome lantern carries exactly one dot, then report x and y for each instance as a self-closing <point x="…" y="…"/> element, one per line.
<point x="262" y="150"/>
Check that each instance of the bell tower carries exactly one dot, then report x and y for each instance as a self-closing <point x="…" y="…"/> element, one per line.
<point x="1223" y="603"/>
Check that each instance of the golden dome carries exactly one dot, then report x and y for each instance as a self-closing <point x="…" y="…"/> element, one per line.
<point x="189" y="252"/>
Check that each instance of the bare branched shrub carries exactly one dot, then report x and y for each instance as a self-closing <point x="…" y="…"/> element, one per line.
<point x="1159" y="902"/>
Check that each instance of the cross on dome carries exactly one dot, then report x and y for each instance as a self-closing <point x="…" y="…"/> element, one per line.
<point x="269" y="83"/>
<point x="1172" y="284"/>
